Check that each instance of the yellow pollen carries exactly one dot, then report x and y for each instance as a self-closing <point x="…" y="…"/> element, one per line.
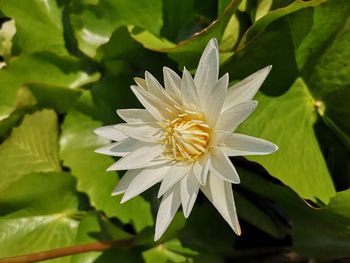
<point x="186" y="137"/>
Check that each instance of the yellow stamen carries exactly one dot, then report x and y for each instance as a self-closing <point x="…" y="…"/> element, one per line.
<point x="186" y="137"/>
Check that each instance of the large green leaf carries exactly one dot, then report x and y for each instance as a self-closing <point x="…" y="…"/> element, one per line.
<point x="45" y="68"/>
<point x="171" y="251"/>
<point x="94" y="24"/>
<point x="274" y="15"/>
<point x="7" y="31"/>
<point x="289" y="106"/>
<point x="32" y="147"/>
<point x="323" y="55"/>
<point x="288" y="121"/>
<point x="187" y="52"/>
<point x="321" y="233"/>
<point x="38" y="212"/>
<point x="77" y="145"/>
<point x="92" y="228"/>
<point x="38" y="23"/>
<point x="259" y="216"/>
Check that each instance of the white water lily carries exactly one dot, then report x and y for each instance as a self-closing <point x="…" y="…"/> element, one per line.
<point x="184" y="137"/>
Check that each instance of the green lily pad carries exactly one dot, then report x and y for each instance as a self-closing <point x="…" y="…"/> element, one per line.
<point x="171" y="251"/>
<point x="32" y="147"/>
<point x="77" y="145"/>
<point x="43" y="219"/>
<point x="43" y="68"/>
<point x="288" y="121"/>
<point x="94" y="24"/>
<point x="38" y="23"/>
<point x="321" y="233"/>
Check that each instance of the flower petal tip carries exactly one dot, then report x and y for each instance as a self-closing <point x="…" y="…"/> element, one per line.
<point x="156" y="237"/>
<point x="124" y="199"/>
<point x="214" y="42"/>
<point x="274" y="148"/>
<point x="186" y="213"/>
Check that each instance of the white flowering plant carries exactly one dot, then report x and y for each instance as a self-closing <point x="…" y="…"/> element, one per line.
<point x="235" y="148"/>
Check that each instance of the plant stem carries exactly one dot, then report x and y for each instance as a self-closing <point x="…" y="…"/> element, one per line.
<point x="67" y="251"/>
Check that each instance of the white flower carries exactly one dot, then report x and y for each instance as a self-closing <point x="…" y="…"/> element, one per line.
<point x="183" y="138"/>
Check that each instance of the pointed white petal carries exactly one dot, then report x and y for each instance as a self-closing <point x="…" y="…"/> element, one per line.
<point x="122" y="148"/>
<point x="172" y="83"/>
<point x="218" y="137"/>
<point x="246" y="89"/>
<point x="141" y="83"/>
<point x="111" y="133"/>
<point x="145" y="179"/>
<point x="155" y="88"/>
<point x="201" y="168"/>
<point x="220" y="194"/>
<point x="222" y="167"/>
<point x="146" y="132"/>
<point x="189" y="191"/>
<point x="230" y="119"/>
<point x="155" y="106"/>
<point x="174" y="175"/>
<point x="208" y="68"/>
<point x="214" y="100"/>
<point x="189" y="91"/>
<point x="135" y="115"/>
<point x="143" y="157"/>
<point x="240" y="144"/>
<point x="124" y="182"/>
<point x="169" y="205"/>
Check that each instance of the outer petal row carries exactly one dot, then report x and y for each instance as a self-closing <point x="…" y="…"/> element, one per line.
<point x="220" y="194"/>
<point x="240" y="145"/>
<point x="246" y="89"/>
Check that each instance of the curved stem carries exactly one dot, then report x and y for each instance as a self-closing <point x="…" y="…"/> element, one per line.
<point x="67" y="251"/>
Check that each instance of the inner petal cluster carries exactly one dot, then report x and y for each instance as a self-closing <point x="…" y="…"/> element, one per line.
<point x="186" y="137"/>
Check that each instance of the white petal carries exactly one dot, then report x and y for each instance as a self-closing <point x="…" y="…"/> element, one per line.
<point x="145" y="179"/>
<point x="230" y="119"/>
<point x="143" y="157"/>
<point x="240" y="144"/>
<point x="222" y="166"/>
<point x="215" y="99"/>
<point x="135" y="115"/>
<point x="146" y="132"/>
<point x="189" y="91"/>
<point x="155" y="88"/>
<point x="220" y="194"/>
<point x="155" y="106"/>
<point x="246" y="89"/>
<point x="218" y="137"/>
<point x="111" y="133"/>
<point x="124" y="182"/>
<point x="172" y="83"/>
<point x="189" y="192"/>
<point x="122" y="148"/>
<point x="208" y="68"/>
<point x="169" y="205"/>
<point x="141" y="83"/>
<point x="174" y="175"/>
<point x="201" y="168"/>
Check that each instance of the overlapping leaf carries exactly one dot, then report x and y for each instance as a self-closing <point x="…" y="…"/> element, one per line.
<point x="43" y="219"/>
<point x="32" y="147"/>
<point x="77" y="145"/>
<point x="321" y="233"/>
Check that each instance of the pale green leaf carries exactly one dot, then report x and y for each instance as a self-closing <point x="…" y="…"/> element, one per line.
<point x="288" y="121"/>
<point x="32" y="147"/>
<point x="38" y="212"/>
<point x="38" y="23"/>
<point x="77" y="146"/>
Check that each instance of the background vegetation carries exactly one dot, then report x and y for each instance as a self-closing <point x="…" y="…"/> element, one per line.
<point x="67" y="66"/>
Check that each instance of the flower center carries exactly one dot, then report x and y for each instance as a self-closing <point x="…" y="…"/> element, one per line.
<point x="186" y="137"/>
